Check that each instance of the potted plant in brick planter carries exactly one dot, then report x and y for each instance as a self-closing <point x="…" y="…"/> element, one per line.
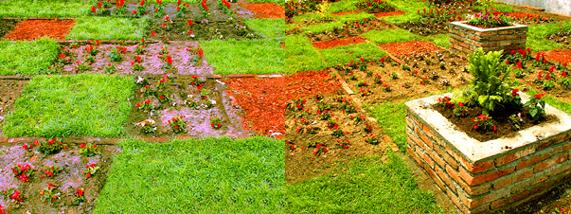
<point x="491" y="31"/>
<point x="490" y="147"/>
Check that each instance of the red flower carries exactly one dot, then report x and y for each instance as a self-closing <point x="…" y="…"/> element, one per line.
<point x="178" y="8"/>
<point x="476" y="127"/>
<point x="142" y="3"/>
<point x="200" y="53"/>
<point x="519" y="65"/>
<point x="99" y="4"/>
<point x="204" y="6"/>
<point x="515" y="92"/>
<point x="48" y="173"/>
<point x="494" y="128"/>
<point x="51" y="186"/>
<point x="167" y="18"/>
<point x="552" y="69"/>
<point x="80" y="192"/>
<point x="539" y="96"/>
<point x="93" y="9"/>
<point x="138" y="59"/>
<point x="153" y="33"/>
<point x="178" y="2"/>
<point x="147" y="102"/>
<point x="460" y="104"/>
<point x="564" y="74"/>
<point x="51" y="141"/>
<point x="169" y="59"/>
<point x="159" y="2"/>
<point x="190" y="32"/>
<point x="61" y="56"/>
<point x="82" y="146"/>
<point x="134" y="12"/>
<point x="16" y="195"/>
<point x="189" y="22"/>
<point x="539" y="75"/>
<point x="88" y="175"/>
<point x="36" y="142"/>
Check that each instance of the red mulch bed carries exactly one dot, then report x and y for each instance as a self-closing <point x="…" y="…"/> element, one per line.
<point x="522" y="15"/>
<point x="338" y="42"/>
<point x="265" y="10"/>
<point x="34" y="29"/>
<point x="409" y="48"/>
<point x="264" y="100"/>
<point x="560" y="56"/>
<point x="346" y="12"/>
<point x="383" y="14"/>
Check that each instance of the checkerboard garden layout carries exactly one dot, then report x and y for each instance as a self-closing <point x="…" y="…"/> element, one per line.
<point x="271" y="106"/>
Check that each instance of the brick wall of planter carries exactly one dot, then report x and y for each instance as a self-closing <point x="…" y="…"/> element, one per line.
<point x="494" y="183"/>
<point x="465" y="38"/>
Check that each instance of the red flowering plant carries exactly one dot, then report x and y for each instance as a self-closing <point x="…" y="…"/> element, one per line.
<point x="120" y="8"/>
<point x="375" y="6"/>
<point x="197" y="81"/>
<point x="489" y="20"/>
<point x="51" y="194"/>
<point x="536" y="108"/>
<point x="51" y="171"/>
<point x="215" y="122"/>
<point x="320" y="149"/>
<point x="296" y="105"/>
<point x="204" y="8"/>
<point x="88" y="150"/>
<point x="332" y="124"/>
<point x="163" y="98"/>
<point x="225" y="7"/>
<point x="52" y="146"/>
<point x="116" y="55"/>
<point x="484" y="123"/>
<point x="90" y="170"/>
<point x="372" y="139"/>
<point x="28" y="147"/>
<point x="444" y="103"/>
<point x="15" y="196"/>
<point x="64" y="57"/>
<point x="145" y="106"/>
<point x="177" y="124"/>
<point x="460" y="110"/>
<point x="164" y="82"/>
<point x="181" y="8"/>
<point x="79" y="196"/>
<point x="343" y="143"/>
<point x="159" y="9"/>
<point x="136" y="63"/>
<point x="23" y="171"/>
<point x="199" y="56"/>
<point x="141" y="9"/>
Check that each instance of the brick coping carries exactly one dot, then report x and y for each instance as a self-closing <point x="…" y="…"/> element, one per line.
<point x="477" y="151"/>
<point x="463" y="24"/>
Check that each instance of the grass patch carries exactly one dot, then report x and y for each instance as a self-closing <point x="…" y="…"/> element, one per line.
<point x="245" y="56"/>
<point x="364" y="184"/>
<point x="354" y="17"/>
<point x="28" y="58"/>
<point x="322" y="27"/>
<point x="389" y="36"/>
<point x="409" y="7"/>
<point x="344" y="54"/>
<point x="441" y="40"/>
<point x="391" y="117"/>
<point x="196" y="176"/>
<point x="536" y="35"/>
<point x="342" y="6"/>
<point x="563" y="106"/>
<point x="79" y="105"/>
<point x="301" y="56"/>
<point x="42" y="8"/>
<point x="269" y="28"/>
<point x="108" y="28"/>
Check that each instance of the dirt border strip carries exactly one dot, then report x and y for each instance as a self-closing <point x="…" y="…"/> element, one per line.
<point x="213" y="76"/>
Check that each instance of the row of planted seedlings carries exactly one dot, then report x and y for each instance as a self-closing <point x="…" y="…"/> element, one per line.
<point x="540" y="73"/>
<point x="385" y="79"/>
<point x="212" y="19"/>
<point x="325" y="130"/>
<point x="52" y="176"/>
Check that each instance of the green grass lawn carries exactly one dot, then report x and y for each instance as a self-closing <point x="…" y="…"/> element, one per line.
<point x="245" y="56"/>
<point x="391" y="116"/>
<point x="80" y="105"/>
<point x="390" y="35"/>
<point x="42" y="8"/>
<point x="269" y="28"/>
<point x="301" y="56"/>
<point x="409" y="7"/>
<point x="108" y="28"/>
<point x="344" y="54"/>
<point x="366" y="185"/>
<point x="27" y="58"/>
<point x="196" y="176"/>
<point x="536" y="35"/>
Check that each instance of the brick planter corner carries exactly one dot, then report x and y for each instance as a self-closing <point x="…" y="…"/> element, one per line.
<point x="465" y="38"/>
<point x="495" y="175"/>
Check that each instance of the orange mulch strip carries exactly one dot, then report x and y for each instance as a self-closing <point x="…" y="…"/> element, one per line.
<point x="338" y="42"/>
<point x="264" y="100"/>
<point x="409" y="48"/>
<point x="346" y="12"/>
<point x="265" y="10"/>
<point x="33" y="29"/>
<point x="520" y="15"/>
<point x="560" y="56"/>
<point x="383" y="14"/>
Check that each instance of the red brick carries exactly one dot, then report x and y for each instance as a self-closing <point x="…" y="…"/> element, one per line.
<point x="529" y="161"/>
<point x="455" y="200"/>
<point x="478" y="166"/>
<point x="437" y="159"/>
<point x="503" y="182"/>
<point x="476" y="202"/>
<point x="487" y="177"/>
<point x="453" y="174"/>
<point x="444" y="177"/>
<point x="548" y="163"/>
<point x="503" y="160"/>
<point x="427" y="159"/>
<point x="501" y="203"/>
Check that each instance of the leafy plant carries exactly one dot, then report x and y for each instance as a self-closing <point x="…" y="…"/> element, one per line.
<point x="490" y="88"/>
<point x="484" y="123"/>
<point x="90" y="170"/>
<point x="51" y="171"/>
<point x="52" y="146"/>
<point x="215" y="122"/>
<point x="490" y="20"/>
<point x="177" y="124"/>
<point x="88" y="150"/>
<point x="23" y="172"/>
<point x="50" y="194"/>
<point x="536" y="108"/>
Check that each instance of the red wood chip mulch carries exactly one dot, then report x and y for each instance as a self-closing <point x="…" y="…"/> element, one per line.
<point x="264" y="100"/>
<point x="383" y="14"/>
<point x="409" y="48"/>
<point x="33" y="29"/>
<point x="520" y="15"/>
<point x="265" y="10"/>
<point x="346" y="12"/>
<point x="338" y="42"/>
<point x="561" y="56"/>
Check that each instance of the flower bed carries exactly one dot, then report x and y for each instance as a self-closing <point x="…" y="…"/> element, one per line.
<point x="264" y="100"/>
<point x="466" y="38"/>
<point x="409" y="48"/>
<point x="34" y="29"/>
<point x="186" y="58"/>
<point x="497" y="174"/>
<point x="36" y="182"/>
<point x="322" y="132"/>
<point x="195" y="29"/>
<point x="339" y="42"/>
<point x="167" y="105"/>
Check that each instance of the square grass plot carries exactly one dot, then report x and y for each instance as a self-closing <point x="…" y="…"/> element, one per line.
<point x="108" y="28"/>
<point x="81" y="105"/>
<point x="27" y="58"/>
<point x="245" y="56"/>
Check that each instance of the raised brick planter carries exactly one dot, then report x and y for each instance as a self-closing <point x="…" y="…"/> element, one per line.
<point x="466" y="38"/>
<point x="493" y="175"/>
